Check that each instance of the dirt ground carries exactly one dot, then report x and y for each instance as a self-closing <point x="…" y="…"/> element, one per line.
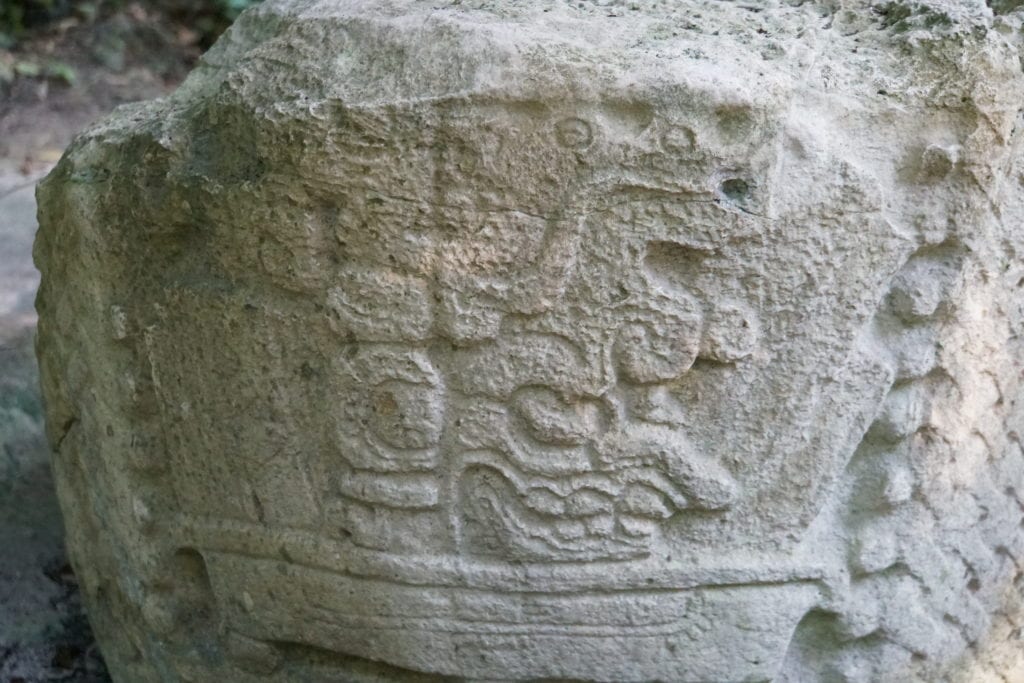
<point x="52" y="84"/>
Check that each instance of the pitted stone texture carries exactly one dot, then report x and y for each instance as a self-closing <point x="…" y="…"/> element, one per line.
<point x="542" y="341"/>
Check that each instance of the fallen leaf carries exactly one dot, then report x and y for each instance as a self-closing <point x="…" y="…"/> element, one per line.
<point x="27" y="69"/>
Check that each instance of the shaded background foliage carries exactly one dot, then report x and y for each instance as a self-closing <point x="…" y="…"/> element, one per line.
<point x="207" y="17"/>
<point x="64" y="63"/>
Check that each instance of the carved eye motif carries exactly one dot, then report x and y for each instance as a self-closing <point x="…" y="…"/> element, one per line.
<point x="574" y="133"/>
<point x="647" y="354"/>
<point x="405" y="415"/>
<point x="550" y="419"/>
<point x="390" y="409"/>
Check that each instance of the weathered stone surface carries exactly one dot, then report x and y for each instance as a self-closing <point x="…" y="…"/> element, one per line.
<point x="548" y="340"/>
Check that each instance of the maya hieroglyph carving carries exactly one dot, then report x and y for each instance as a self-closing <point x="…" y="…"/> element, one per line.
<point x="514" y="341"/>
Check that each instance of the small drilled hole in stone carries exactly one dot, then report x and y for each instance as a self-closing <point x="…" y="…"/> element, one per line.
<point x="735" y="190"/>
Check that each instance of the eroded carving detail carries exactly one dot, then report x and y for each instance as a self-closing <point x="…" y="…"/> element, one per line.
<point x="466" y="362"/>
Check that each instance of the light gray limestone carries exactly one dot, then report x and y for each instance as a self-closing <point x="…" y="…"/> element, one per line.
<point x="544" y="340"/>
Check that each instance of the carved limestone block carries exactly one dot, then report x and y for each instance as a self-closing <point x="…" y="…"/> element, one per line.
<point x="591" y="341"/>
